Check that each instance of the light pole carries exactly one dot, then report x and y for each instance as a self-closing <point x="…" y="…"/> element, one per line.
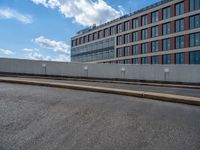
<point x="123" y="71"/>
<point x="166" y="73"/>
<point x="86" y="71"/>
<point x="45" y="68"/>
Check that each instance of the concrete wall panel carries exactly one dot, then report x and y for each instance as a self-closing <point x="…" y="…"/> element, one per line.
<point x="172" y="73"/>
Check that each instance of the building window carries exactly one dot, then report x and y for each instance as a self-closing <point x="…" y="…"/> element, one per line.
<point x="79" y="41"/>
<point x="127" y="51"/>
<point x="155" y="60"/>
<point x="127" y="38"/>
<point x="195" y="21"/>
<point x="195" y="57"/>
<point x="127" y="61"/>
<point x="166" y="28"/>
<point x="154" y="16"/>
<point x="180" y="58"/>
<point x="95" y="36"/>
<point x="180" y="41"/>
<point x="166" y="44"/>
<point x="119" y="52"/>
<point x="179" y="8"/>
<point x="119" y="28"/>
<point x="135" y="60"/>
<point x="76" y="42"/>
<point x="127" y="26"/>
<point x="195" y="39"/>
<point x="144" y="20"/>
<point x="166" y="59"/>
<point x="179" y="25"/>
<point x="84" y="39"/>
<point x="90" y="37"/>
<point x="105" y="32"/>
<point x="154" y="46"/>
<point x="120" y="61"/>
<point x="194" y="5"/>
<point x="135" y="49"/>
<point x="119" y="40"/>
<point x="135" y="23"/>
<point x="99" y="34"/>
<point x="144" y="34"/>
<point x="144" y="60"/>
<point x="166" y="13"/>
<point x="154" y="31"/>
<point x="135" y="36"/>
<point x="144" y="48"/>
<point x="73" y="43"/>
<point x="112" y="30"/>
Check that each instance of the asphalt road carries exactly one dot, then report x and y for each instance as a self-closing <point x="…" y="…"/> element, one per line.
<point x="44" y="118"/>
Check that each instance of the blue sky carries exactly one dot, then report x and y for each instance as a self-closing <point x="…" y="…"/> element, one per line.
<point x="41" y="29"/>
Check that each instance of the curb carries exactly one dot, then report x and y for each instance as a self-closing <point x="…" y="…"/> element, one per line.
<point x="141" y="94"/>
<point x="146" y="84"/>
<point x="172" y="85"/>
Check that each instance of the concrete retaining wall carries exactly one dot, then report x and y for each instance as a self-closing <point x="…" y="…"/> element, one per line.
<point x="170" y="73"/>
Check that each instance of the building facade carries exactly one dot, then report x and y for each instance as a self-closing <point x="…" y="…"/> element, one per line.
<point x="167" y="32"/>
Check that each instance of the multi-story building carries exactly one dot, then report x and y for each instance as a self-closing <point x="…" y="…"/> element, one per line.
<point x="167" y="32"/>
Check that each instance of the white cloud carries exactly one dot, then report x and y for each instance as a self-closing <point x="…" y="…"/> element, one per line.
<point x="7" y="13"/>
<point x="62" y="57"/>
<point x="6" y="52"/>
<point x="43" y="2"/>
<point x="48" y="3"/>
<point x="56" y="46"/>
<point x="31" y="49"/>
<point x="84" y="12"/>
<point x="62" y="50"/>
<point x="37" y="56"/>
